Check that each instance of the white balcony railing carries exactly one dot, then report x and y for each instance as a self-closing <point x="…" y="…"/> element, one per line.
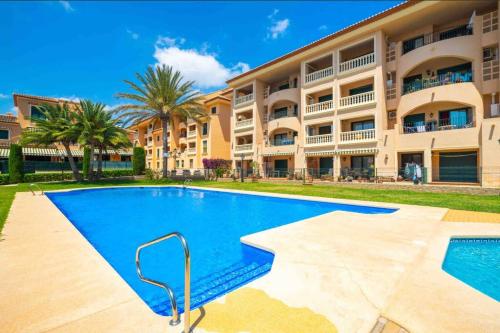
<point x="319" y="107"/>
<point x="358" y="136"/>
<point x="319" y="75"/>
<point x="243" y="99"/>
<point x="323" y="139"/>
<point x="244" y="123"/>
<point x="191" y="134"/>
<point x="191" y="151"/>
<point x="245" y="147"/>
<point x="358" y="99"/>
<point x="358" y="62"/>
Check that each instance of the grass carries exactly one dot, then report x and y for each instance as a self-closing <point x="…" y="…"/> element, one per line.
<point x="481" y="203"/>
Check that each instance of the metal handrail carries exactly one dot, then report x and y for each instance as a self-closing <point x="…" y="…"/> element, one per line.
<point x="35" y="185"/>
<point x="187" y="278"/>
<point x="187" y="182"/>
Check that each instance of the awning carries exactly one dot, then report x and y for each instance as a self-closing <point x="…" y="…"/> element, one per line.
<point x="278" y="153"/>
<point x="33" y="151"/>
<point x="320" y="153"/>
<point x="354" y="151"/>
<point x="4" y="152"/>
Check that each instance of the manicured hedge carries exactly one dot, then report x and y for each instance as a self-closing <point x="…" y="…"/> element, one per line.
<point x="139" y="160"/>
<point x="117" y="173"/>
<point x="58" y="176"/>
<point x="16" y="166"/>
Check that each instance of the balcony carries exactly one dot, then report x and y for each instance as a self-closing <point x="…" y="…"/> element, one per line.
<point x="191" y="151"/>
<point x="282" y="114"/>
<point x="436" y="36"/>
<point x="319" y="140"/>
<point x="357" y="100"/>
<point x="367" y="135"/>
<point x="357" y="63"/>
<point x="319" y="75"/>
<point x="439" y="80"/>
<point x="319" y="108"/>
<point x="191" y="134"/>
<point x="281" y="142"/>
<point x="243" y="124"/>
<point x="243" y="99"/>
<point x="243" y="148"/>
<point x="432" y="126"/>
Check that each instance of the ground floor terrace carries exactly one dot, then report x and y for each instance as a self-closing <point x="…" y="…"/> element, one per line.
<point x="328" y="281"/>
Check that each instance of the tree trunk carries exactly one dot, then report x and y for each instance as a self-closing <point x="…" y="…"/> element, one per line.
<point x="72" y="164"/>
<point x="164" y="125"/>
<point x="99" y="163"/>
<point x="90" y="176"/>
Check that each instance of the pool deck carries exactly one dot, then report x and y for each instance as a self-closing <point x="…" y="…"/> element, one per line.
<point x="335" y="272"/>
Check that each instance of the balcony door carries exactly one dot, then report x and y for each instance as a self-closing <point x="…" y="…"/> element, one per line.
<point x="457" y="118"/>
<point x="362" y="162"/>
<point x="414" y="120"/>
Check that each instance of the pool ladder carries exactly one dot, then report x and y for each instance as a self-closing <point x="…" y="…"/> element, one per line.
<point x="187" y="182"/>
<point x="187" y="279"/>
<point x="30" y="186"/>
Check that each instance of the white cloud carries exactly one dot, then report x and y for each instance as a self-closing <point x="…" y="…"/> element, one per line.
<point x="4" y="96"/>
<point x="195" y="65"/>
<point x="322" y="27"/>
<point x="71" y="98"/>
<point x="277" y="27"/>
<point x="67" y="6"/>
<point x="133" y="35"/>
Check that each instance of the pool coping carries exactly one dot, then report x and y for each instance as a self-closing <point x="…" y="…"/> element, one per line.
<point x="264" y="240"/>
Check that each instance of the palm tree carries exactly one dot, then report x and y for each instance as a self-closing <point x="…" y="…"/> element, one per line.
<point x="113" y="136"/>
<point x="57" y="126"/>
<point x="90" y="121"/>
<point x="161" y="93"/>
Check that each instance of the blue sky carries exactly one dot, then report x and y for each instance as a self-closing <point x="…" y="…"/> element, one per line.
<point x="82" y="49"/>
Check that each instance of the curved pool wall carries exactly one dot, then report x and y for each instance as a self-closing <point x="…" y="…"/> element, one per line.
<point x="117" y="220"/>
<point x="476" y="262"/>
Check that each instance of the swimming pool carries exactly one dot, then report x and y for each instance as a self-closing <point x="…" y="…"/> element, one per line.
<point x="117" y="220"/>
<point x="475" y="261"/>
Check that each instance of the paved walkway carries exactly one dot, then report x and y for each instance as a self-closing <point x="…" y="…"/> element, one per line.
<point x="335" y="272"/>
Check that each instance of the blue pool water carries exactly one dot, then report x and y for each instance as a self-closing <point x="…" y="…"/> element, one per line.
<point x="475" y="261"/>
<point x="116" y="221"/>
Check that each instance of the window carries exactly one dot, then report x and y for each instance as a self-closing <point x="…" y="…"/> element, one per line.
<point x="325" y="130"/>
<point x="205" y="146"/>
<point x="213" y="110"/>
<point x="280" y="112"/>
<point x="35" y="113"/>
<point x="204" y="130"/>
<point x="191" y="163"/>
<point x="360" y="90"/>
<point x="157" y="165"/>
<point x="157" y="138"/>
<point x="362" y="125"/>
<point x="490" y="53"/>
<point x="4" y="134"/>
<point x="158" y="152"/>
<point x="325" y="98"/>
<point x="362" y="162"/>
<point x="457" y="118"/>
<point x="182" y="164"/>
<point x="177" y="163"/>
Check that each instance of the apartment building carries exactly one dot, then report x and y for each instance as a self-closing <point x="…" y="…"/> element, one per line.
<point x="189" y="141"/>
<point x="11" y="127"/>
<point x="416" y="84"/>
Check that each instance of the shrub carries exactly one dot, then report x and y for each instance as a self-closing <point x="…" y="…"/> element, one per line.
<point x="153" y="174"/>
<point x="138" y="160"/>
<point x="4" y="179"/>
<point x="86" y="161"/>
<point x="47" y="177"/>
<point x="117" y="173"/>
<point x="16" y="165"/>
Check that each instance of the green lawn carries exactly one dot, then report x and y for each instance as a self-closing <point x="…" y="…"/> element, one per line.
<point x="484" y="203"/>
